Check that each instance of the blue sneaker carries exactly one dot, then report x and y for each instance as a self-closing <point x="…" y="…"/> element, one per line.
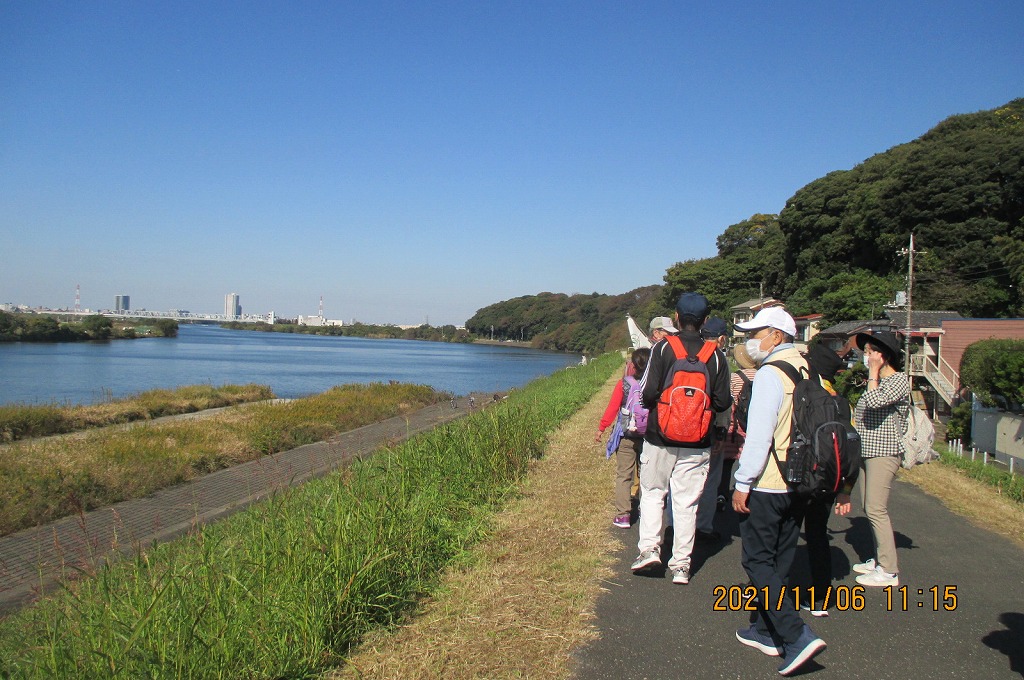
<point x="764" y="643"/>
<point x="807" y="646"/>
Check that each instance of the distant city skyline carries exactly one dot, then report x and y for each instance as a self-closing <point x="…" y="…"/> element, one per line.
<point x="414" y="160"/>
<point x="232" y="306"/>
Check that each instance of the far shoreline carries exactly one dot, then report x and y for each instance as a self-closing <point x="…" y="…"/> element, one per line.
<point x="504" y="343"/>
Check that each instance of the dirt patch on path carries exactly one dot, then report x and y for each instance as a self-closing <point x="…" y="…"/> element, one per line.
<point x="526" y="599"/>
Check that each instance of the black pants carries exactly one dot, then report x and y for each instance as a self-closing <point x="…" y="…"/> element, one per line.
<point x="769" y="534"/>
<point x="816" y="513"/>
<point x="723" y="485"/>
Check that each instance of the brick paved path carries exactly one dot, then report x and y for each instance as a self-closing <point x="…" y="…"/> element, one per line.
<point x="33" y="560"/>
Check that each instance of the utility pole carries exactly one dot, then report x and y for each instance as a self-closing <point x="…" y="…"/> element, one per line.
<point x="910" y="302"/>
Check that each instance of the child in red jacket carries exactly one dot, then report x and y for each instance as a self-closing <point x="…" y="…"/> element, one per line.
<point x="627" y="453"/>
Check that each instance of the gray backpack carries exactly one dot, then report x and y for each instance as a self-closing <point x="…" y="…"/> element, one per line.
<point x="917" y="439"/>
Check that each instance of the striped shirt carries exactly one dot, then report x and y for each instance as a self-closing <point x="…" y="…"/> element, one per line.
<point x="880" y="415"/>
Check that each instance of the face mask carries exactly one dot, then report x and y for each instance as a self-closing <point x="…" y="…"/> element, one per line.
<point x="754" y="350"/>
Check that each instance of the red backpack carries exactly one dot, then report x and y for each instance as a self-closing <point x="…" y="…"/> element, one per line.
<point x="684" y="408"/>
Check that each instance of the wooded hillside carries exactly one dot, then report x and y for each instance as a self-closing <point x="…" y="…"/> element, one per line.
<point x="835" y="248"/>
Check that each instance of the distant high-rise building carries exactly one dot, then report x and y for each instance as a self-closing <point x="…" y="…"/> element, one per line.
<point x="232" y="306"/>
<point x="122" y="303"/>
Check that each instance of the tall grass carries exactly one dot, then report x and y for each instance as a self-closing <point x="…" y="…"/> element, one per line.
<point x="20" y="421"/>
<point x="42" y="480"/>
<point x="1007" y="484"/>
<point x="284" y="589"/>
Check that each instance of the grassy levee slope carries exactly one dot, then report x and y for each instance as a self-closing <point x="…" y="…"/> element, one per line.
<point x="284" y="589"/>
<point x="45" y="479"/>
<point x="21" y="421"/>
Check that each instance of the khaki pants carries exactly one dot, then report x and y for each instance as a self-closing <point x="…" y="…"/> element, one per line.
<point x="627" y="457"/>
<point x="878" y="475"/>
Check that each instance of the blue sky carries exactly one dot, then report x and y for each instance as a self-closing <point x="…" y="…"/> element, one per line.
<point x="417" y="161"/>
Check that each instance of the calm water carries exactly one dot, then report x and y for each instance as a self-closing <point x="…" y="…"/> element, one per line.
<point x="293" y="365"/>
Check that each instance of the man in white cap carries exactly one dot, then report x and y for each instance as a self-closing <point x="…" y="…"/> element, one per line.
<point x="772" y="526"/>
<point x="661" y="327"/>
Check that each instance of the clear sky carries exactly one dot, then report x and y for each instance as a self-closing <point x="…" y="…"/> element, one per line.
<point x="416" y="161"/>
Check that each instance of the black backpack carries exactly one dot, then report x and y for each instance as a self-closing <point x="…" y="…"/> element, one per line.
<point x="742" y="408"/>
<point x="824" y="449"/>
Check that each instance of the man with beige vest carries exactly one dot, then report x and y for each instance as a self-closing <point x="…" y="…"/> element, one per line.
<point x="771" y="527"/>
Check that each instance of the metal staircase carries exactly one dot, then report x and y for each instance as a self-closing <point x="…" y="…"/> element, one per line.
<point x="942" y="377"/>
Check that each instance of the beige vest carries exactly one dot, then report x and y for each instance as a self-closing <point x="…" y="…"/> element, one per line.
<point x="771" y="477"/>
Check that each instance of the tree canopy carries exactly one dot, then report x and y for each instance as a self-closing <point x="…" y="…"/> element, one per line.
<point x="573" y="323"/>
<point x="959" y="189"/>
<point x="838" y="247"/>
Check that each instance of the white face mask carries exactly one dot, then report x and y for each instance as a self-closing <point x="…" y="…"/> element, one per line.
<point x="754" y="350"/>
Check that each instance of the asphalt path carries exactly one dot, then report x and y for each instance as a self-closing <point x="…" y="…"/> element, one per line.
<point x="652" y="629"/>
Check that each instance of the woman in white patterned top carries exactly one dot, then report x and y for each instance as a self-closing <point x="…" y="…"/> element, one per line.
<point x="879" y="418"/>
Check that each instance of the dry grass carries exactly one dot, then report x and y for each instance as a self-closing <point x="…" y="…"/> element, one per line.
<point x="21" y="421"/>
<point x="978" y="502"/>
<point x="527" y="600"/>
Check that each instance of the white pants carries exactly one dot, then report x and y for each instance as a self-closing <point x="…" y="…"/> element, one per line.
<point x="683" y="471"/>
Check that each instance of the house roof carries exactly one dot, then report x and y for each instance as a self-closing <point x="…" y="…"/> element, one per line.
<point x="845" y="328"/>
<point x="894" y="321"/>
<point x="753" y="303"/>
<point x="922" y="319"/>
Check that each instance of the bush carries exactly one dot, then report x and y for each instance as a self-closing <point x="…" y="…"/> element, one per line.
<point x="994" y="371"/>
<point x="959" y="425"/>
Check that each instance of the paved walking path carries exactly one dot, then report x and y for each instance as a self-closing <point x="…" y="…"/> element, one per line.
<point x="652" y="629"/>
<point x="33" y="560"/>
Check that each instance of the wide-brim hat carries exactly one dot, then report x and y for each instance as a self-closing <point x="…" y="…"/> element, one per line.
<point x="886" y="341"/>
<point x="743" y="357"/>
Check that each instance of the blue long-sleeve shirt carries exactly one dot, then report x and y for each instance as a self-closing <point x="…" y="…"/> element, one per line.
<point x="762" y="418"/>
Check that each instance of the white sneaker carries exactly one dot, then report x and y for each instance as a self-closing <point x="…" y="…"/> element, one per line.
<point x="879" y="578"/>
<point x="865" y="567"/>
<point x="646" y="559"/>
<point x="817" y="613"/>
<point x="681" y="576"/>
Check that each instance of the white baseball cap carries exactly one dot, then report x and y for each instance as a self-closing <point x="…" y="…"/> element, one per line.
<point x="663" y="323"/>
<point x="770" y="317"/>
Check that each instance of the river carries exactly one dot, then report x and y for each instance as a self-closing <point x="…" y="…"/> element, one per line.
<point x="293" y="365"/>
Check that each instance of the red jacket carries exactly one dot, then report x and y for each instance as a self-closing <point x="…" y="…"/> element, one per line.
<point x="611" y="412"/>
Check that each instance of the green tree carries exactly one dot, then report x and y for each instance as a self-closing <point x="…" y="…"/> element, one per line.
<point x="750" y="255"/>
<point x="846" y="296"/>
<point x="42" y="329"/>
<point x="167" y="328"/>
<point x="959" y="188"/>
<point x="994" y="371"/>
<point x="98" y="326"/>
<point x="9" y="327"/>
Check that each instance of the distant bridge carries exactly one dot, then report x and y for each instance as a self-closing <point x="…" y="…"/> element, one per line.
<point x="177" y="315"/>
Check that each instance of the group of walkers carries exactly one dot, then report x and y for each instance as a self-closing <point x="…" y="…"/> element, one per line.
<point x="686" y="458"/>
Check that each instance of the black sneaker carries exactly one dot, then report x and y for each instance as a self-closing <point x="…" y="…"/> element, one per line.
<point x="707" y="536"/>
